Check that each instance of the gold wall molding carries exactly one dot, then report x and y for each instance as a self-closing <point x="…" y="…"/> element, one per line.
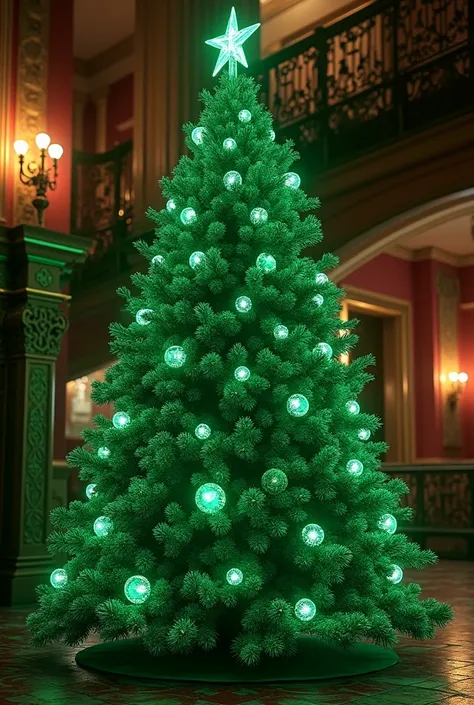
<point x="100" y="99"/>
<point x="448" y="307"/>
<point x="434" y="253"/>
<point x="31" y="90"/>
<point x="467" y="306"/>
<point x="6" y="31"/>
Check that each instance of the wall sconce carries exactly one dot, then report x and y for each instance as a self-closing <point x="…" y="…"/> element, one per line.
<point x="458" y="382"/>
<point x="37" y="175"/>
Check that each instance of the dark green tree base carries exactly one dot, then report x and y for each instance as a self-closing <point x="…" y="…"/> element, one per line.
<point x="314" y="661"/>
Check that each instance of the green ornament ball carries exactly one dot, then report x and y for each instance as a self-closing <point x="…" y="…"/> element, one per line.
<point x="305" y="610"/>
<point x="274" y="481"/>
<point x="188" y="216"/>
<point x="353" y="407"/>
<point x="157" y="259"/>
<point x="297" y="405"/>
<point x="266" y="262"/>
<point x="242" y="373"/>
<point x="355" y="467"/>
<point x="318" y="300"/>
<point x="91" y="490"/>
<point x="243" y="304"/>
<point x="234" y="576"/>
<point x="202" y="431"/>
<point x="280" y="332"/>
<point x="143" y="316"/>
<point x="196" y="259"/>
<point x="292" y="180"/>
<point x="245" y="116"/>
<point x="258" y="216"/>
<point x="121" y="420"/>
<point x="395" y="575"/>
<point x="363" y="434"/>
<point x="229" y="144"/>
<point x="323" y="350"/>
<point x="103" y="452"/>
<point x="210" y="498"/>
<point x="137" y="589"/>
<point x="232" y="179"/>
<point x="175" y="356"/>
<point x="197" y="135"/>
<point x="171" y="205"/>
<point x="321" y="278"/>
<point x="58" y="578"/>
<point x="103" y="526"/>
<point x="388" y="523"/>
<point x="313" y="535"/>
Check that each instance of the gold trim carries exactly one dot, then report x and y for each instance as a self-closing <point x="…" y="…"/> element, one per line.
<point x="398" y="363"/>
<point x="434" y="253"/>
<point x="468" y="306"/>
<point x="31" y="91"/>
<point x="6" y="31"/>
<point x="28" y="290"/>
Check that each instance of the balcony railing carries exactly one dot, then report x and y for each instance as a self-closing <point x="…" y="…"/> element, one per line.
<point x="392" y="68"/>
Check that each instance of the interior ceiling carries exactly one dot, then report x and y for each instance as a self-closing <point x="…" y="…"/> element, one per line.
<point x="455" y="237"/>
<point x="99" y="24"/>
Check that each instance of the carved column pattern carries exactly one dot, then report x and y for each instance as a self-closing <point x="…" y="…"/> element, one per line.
<point x="448" y="309"/>
<point x="31" y="88"/>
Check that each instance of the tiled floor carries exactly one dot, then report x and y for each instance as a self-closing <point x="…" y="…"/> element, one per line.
<point x="440" y="671"/>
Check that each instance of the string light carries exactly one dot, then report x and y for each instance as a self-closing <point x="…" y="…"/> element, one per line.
<point x="121" y="420"/>
<point x="103" y="452"/>
<point x="242" y="373"/>
<point x="243" y="304"/>
<point x="175" y="356"/>
<point x="170" y="205"/>
<point x="321" y="278"/>
<point x="280" y="332"/>
<point x="245" y="116"/>
<point x="323" y="350"/>
<point x="305" y="610"/>
<point x="157" y="259"/>
<point x="103" y="526"/>
<point x="266" y="262"/>
<point x="58" y="578"/>
<point x="188" y="216"/>
<point x="355" y="467"/>
<point x="197" y="135"/>
<point x="313" y="535"/>
<point x="234" y="576"/>
<point x="396" y="574"/>
<point x="202" y="431"/>
<point x="232" y="179"/>
<point x="196" y="259"/>
<point x="143" y="316"/>
<point x="364" y="434"/>
<point x="292" y="180"/>
<point x="91" y="490"/>
<point x="258" y="216"/>
<point x="230" y="144"/>
<point x="353" y="407"/>
<point x="274" y="481"/>
<point x="137" y="589"/>
<point x="210" y="498"/>
<point x="297" y="405"/>
<point x="388" y="523"/>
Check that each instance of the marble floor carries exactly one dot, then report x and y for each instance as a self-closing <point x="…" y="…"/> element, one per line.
<point x="439" y="671"/>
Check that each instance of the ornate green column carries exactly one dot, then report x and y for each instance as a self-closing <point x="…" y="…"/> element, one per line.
<point x="34" y="263"/>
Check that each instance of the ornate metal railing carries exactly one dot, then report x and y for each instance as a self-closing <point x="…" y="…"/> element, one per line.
<point x="393" y="67"/>
<point x="442" y="498"/>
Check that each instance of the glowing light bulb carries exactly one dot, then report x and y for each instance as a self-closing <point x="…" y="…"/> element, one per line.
<point x="197" y="135"/>
<point x="274" y="481"/>
<point x="196" y="259"/>
<point x="318" y="300"/>
<point x="323" y="350"/>
<point x="242" y="373"/>
<point x="137" y="589"/>
<point x="352" y="407"/>
<point x="463" y="377"/>
<point x="58" y="578"/>
<point x="321" y="278"/>
<point x="272" y="135"/>
<point x="245" y="116"/>
<point x="291" y="180"/>
<point x="103" y="526"/>
<point x="232" y="179"/>
<point x="280" y="332"/>
<point x="266" y="262"/>
<point x="20" y="147"/>
<point x="188" y="216"/>
<point x="143" y="316"/>
<point x="297" y="405"/>
<point x="243" y="304"/>
<point x="103" y="452"/>
<point x="396" y="574"/>
<point x="157" y="259"/>
<point x="121" y="420"/>
<point x="91" y="490"/>
<point x="55" y="151"/>
<point x="175" y="356"/>
<point x="313" y="535"/>
<point x="258" y="216"/>
<point x="363" y="434"/>
<point x="210" y="498"/>
<point x="230" y="144"/>
<point x="234" y="576"/>
<point x="355" y="467"/>
<point x="42" y="140"/>
<point x="202" y="431"/>
<point x="305" y="610"/>
<point x="171" y="205"/>
<point x="388" y="523"/>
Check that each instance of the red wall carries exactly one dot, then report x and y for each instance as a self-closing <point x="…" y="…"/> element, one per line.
<point x="384" y="274"/>
<point x="119" y="110"/>
<point x="466" y="357"/>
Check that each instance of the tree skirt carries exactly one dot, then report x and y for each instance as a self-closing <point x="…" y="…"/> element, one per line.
<point x="314" y="661"/>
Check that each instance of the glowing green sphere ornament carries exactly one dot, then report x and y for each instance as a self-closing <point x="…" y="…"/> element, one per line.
<point x="230" y="45"/>
<point x="355" y="467"/>
<point x="242" y="373"/>
<point x="121" y="420"/>
<point x="396" y="574"/>
<point x="274" y="481"/>
<point x="103" y="526"/>
<point x="234" y="576"/>
<point x="197" y="135"/>
<point x="258" y="216"/>
<point x="313" y="535"/>
<point x="210" y="498"/>
<point x="243" y="304"/>
<point x="305" y="610"/>
<point x="232" y="179"/>
<point x="272" y="135"/>
<point x="291" y="180"/>
<point x="323" y="350"/>
<point x="321" y="278"/>
<point x="363" y="434"/>
<point x="58" y="578"/>
<point x="188" y="216"/>
<point x="91" y="490"/>
<point x="318" y="300"/>
<point x="229" y="144"/>
<point x="157" y="259"/>
<point x="388" y="523"/>
<point x="202" y="431"/>
<point x="266" y="262"/>
<point x="170" y="205"/>
<point x="245" y="116"/>
<point x="175" y="356"/>
<point x="280" y="332"/>
<point x="103" y="452"/>
<point x="137" y="589"/>
<point x="297" y="405"/>
<point x="196" y="259"/>
<point x="352" y="407"/>
<point x="143" y="316"/>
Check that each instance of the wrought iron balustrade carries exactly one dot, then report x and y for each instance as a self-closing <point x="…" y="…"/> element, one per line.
<point x="367" y="80"/>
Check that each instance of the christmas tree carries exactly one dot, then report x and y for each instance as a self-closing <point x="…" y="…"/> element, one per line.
<point x="235" y="498"/>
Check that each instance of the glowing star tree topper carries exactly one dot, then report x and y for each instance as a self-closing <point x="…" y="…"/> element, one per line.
<point x="230" y="45"/>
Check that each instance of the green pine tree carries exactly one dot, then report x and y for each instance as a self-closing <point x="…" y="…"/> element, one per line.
<point x="235" y="497"/>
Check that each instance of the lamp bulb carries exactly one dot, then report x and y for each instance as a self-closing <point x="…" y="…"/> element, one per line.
<point x="55" y="151"/>
<point x="20" y="147"/>
<point x="43" y="140"/>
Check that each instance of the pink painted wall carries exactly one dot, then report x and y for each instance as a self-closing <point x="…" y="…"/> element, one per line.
<point x="119" y="110"/>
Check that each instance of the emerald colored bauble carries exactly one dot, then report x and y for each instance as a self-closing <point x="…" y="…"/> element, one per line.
<point x="210" y="498"/>
<point x="274" y="481"/>
<point x="305" y="610"/>
<point x="58" y="578"/>
<point x="137" y="589"/>
<point x="103" y="526"/>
